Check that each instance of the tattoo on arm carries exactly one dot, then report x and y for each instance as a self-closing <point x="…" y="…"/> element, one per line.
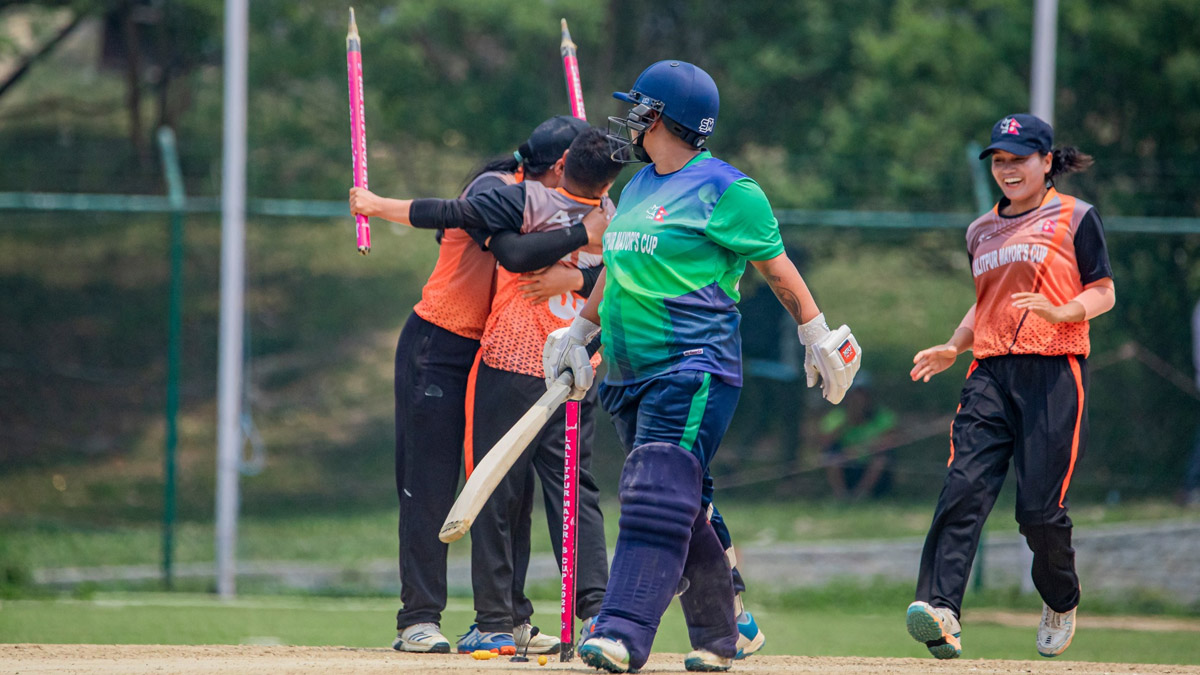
<point x="790" y="301"/>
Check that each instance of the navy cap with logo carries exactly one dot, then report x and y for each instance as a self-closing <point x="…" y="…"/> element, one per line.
<point x="549" y="141"/>
<point x="1021" y="134"/>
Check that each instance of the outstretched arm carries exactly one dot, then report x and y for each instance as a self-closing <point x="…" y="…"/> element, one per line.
<point x="930" y="362"/>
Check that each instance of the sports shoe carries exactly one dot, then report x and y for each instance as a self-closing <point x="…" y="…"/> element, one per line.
<point x="1055" y="632"/>
<point x="606" y="654"/>
<point x="474" y="639"/>
<point x="538" y="644"/>
<point x="425" y="638"/>
<point x="750" y="638"/>
<point x="585" y="631"/>
<point x="704" y="661"/>
<point x="937" y="627"/>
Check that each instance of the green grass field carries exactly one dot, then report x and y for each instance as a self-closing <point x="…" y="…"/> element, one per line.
<point x="150" y="618"/>
<point x="368" y="535"/>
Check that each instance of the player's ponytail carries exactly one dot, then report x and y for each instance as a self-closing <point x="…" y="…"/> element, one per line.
<point x="1068" y="159"/>
<point x="502" y="163"/>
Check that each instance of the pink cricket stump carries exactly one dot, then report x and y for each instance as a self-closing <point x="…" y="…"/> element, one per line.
<point x="570" y="519"/>
<point x="358" y="127"/>
<point x="571" y="70"/>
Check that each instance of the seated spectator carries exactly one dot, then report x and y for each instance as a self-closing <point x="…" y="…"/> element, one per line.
<point x="855" y="442"/>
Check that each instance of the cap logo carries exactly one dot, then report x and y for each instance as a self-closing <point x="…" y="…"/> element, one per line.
<point x="1011" y="126"/>
<point x="706" y="125"/>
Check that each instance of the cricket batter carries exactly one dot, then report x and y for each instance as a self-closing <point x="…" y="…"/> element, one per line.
<point x="1041" y="272"/>
<point x="685" y="227"/>
<point x="434" y="355"/>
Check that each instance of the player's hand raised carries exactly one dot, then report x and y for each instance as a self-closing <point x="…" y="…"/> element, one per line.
<point x="365" y="202"/>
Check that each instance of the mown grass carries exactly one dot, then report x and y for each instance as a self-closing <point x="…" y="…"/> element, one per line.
<point x="877" y="630"/>
<point x="369" y="535"/>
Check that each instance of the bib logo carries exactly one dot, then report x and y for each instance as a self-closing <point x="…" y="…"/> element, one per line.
<point x="565" y="306"/>
<point x="656" y="213"/>
<point x="1011" y="126"/>
<point x="706" y="125"/>
<point x="1048" y="227"/>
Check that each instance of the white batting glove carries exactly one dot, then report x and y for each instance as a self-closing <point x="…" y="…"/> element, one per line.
<point x="566" y="352"/>
<point x="830" y="357"/>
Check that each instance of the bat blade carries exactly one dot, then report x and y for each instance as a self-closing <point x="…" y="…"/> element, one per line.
<point x="489" y="472"/>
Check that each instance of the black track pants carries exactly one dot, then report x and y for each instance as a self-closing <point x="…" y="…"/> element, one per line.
<point x="432" y="368"/>
<point x="1031" y="410"/>
<point x="497" y="565"/>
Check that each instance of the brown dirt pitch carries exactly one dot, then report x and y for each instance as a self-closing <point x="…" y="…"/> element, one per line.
<point x="139" y="659"/>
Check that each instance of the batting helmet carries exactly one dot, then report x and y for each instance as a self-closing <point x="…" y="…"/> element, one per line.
<point x="683" y="94"/>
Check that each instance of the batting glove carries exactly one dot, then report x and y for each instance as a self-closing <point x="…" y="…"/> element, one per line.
<point x="566" y="352"/>
<point x="830" y="357"/>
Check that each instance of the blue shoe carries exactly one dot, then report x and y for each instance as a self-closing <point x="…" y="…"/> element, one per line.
<point x="606" y="654"/>
<point x="937" y="627"/>
<point x="585" y="631"/>
<point x="750" y="638"/>
<point x="474" y="640"/>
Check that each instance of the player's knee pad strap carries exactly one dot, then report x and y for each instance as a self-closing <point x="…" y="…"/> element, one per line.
<point x="660" y="492"/>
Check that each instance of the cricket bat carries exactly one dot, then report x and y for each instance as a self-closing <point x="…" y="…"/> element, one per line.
<point x="489" y="472"/>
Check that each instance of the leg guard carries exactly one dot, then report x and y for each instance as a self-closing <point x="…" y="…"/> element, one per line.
<point x="708" y="603"/>
<point x="660" y="503"/>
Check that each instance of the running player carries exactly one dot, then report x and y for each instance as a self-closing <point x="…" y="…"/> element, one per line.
<point x="685" y="227"/>
<point x="509" y="379"/>
<point x="1041" y="272"/>
<point x="433" y="358"/>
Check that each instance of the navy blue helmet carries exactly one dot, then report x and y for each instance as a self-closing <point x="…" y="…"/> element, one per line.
<point x="681" y="93"/>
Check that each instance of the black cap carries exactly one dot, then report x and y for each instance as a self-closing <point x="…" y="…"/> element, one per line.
<point x="549" y="141"/>
<point x="1022" y="135"/>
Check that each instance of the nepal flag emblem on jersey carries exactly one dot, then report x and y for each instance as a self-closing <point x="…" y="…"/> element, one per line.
<point x="1012" y="126"/>
<point x="656" y="213"/>
<point x="1048" y="226"/>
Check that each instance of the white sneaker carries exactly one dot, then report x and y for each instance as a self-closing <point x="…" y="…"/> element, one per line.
<point x="1055" y="632"/>
<point x="937" y="627"/>
<point x="606" y="653"/>
<point x="425" y="638"/>
<point x="538" y="644"/>
<point x="704" y="661"/>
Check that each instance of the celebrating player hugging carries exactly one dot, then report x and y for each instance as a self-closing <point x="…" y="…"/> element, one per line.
<point x="665" y="308"/>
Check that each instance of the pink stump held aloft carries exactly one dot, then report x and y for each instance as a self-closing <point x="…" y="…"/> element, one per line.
<point x="358" y="127"/>
<point x="571" y="70"/>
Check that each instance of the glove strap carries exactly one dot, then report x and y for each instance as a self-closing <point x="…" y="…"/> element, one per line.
<point x="813" y="330"/>
<point x="584" y="330"/>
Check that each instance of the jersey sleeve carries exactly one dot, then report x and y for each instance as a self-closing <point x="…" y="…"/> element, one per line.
<point x="742" y="221"/>
<point x="1091" y="250"/>
<point x="479" y="187"/>
<point x="501" y="209"/>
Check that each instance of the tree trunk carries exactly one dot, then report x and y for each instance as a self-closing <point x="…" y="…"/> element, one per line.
<point x="133" y="79"/>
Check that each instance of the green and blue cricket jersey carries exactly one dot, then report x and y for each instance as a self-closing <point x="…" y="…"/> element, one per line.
<point x="674" y="253"/>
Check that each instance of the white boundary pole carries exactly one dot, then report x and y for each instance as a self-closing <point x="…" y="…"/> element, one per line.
<point x="233" y="282"/>
<point x="1045" y="46"/>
